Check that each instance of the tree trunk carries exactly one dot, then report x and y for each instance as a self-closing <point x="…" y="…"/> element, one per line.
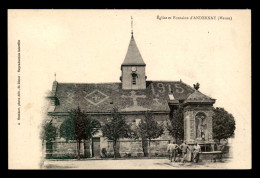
<point x="114" y="147"/>
<point x="149" y="149"/>
<point x="84" y="146"/>
<point x="78" y="149"/>
<point x="144" y="146"/>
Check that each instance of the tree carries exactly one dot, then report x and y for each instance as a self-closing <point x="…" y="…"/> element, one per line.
<point x="49" y="133"/>
<point x="149" y="129"/>
<point x="176" y="128"/>
<point x="140" y="134"/>
<point x="79" y="126"/>
<point x="67" y="129"/>
<point x="223" y="124"/>
<point x="137" y="133"/>
<point x="115" y="129"/>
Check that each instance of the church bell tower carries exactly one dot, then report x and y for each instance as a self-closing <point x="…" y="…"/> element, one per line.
<point x="133" y="68"/>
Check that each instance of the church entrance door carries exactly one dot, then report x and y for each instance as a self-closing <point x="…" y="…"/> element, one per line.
<point x="96" y="147"/>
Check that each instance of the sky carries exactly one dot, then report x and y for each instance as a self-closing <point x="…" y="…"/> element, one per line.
<point x="89" y="46"/>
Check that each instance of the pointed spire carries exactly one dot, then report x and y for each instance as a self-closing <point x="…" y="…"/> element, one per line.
<point x="55" y="76"/>
<point x="133" y="56"/>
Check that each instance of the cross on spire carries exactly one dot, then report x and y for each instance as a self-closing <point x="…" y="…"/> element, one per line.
<point x="132" y="26"/>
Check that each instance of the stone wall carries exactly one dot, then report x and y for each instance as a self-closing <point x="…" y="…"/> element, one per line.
<point x="134" y="148"/>
<point x="63" y="149"/>
<point x="127" y="148"/>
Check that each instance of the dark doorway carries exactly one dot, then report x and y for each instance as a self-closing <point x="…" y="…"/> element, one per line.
<point x="96" y="147"/>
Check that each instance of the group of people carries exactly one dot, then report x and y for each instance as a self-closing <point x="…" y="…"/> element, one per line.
<point x="173" y="149"/>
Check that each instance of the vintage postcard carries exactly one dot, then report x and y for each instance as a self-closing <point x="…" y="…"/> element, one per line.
<point x="129" y="89"/>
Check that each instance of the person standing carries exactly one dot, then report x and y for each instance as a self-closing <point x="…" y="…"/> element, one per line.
<point x="175" y="151"/>
<point x="172" y="150"/>
<point x="168" y="150"/>
<point x="184" y="147"/>
<point x="196" y="150"/>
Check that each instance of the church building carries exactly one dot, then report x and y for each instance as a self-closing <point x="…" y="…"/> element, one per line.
<point x="132" y="96"/>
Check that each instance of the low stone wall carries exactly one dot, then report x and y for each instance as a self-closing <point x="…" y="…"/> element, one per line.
<point x="63" y="150"/>
<point x="213" y="156"/>
<point x="126" y="148"/>
<point x="133" y="148"/>
<point x="159" y="147"/>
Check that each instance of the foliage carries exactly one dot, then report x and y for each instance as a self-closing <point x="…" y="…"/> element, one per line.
<point x="149" y="129"/>
<point x="67" y="129"/>
<point x="176" y="126"/>
<point x="223" y="124"/>
<point x="79" y="126"/>
<point x="49" y="132"/>
<point x="79" y="118"/>
<point x="116" y="128"/>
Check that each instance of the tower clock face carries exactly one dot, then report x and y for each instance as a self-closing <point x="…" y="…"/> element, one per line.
<point x="133" y="69"/>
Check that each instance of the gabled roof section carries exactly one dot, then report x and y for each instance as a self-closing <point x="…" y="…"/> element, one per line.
<point x="198" y="97"/>
<point x="133" y="56"/>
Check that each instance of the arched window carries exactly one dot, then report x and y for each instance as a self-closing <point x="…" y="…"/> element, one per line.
<point x="134" y="81"/>
<point x="134" y="76"/>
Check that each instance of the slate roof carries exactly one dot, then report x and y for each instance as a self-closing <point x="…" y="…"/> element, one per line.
<point x="197" y="96"/>
<point x="97" y="98"/>
<point x="133" y="56"/>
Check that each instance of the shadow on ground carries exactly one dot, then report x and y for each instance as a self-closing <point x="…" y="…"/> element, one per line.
<point x="132" y="164"/>
<point x="58" y="167"/>
<point x="201" y="164"/>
